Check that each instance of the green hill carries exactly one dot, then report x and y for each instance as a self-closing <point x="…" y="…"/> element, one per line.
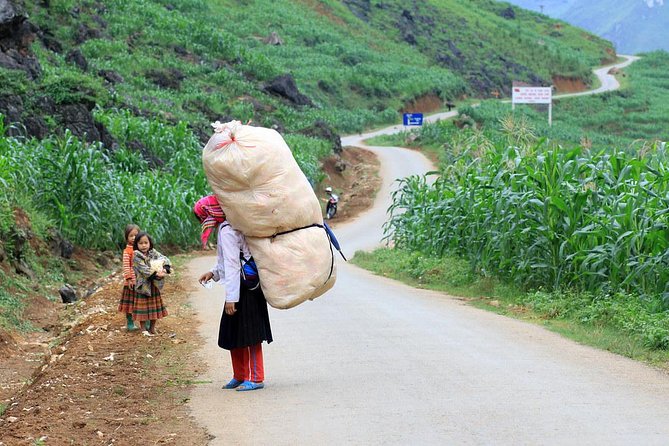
<point x="356" y="63"/>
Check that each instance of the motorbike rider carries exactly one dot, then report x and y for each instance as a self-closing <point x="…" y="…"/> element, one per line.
<point x="331" y="208"/>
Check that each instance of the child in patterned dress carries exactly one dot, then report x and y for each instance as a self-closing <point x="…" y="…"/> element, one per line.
<point x="127" y="302"/>
<point x="150" y="268"/>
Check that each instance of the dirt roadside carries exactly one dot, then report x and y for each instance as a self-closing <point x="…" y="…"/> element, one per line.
<point x="356" y="185"/>
<point x="97" y="384"/>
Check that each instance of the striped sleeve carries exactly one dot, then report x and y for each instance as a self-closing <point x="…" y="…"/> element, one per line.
<point x="128" y="272"/>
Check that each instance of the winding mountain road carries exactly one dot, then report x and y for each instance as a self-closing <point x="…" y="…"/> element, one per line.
<point x="377" y="362"/>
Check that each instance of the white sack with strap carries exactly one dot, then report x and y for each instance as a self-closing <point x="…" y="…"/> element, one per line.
<point x="263" y="192"/>
<point x="257" y="181"/>
<point x="294" y="267"/>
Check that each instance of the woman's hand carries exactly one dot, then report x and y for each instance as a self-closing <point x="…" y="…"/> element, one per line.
<point x="206" y="277"/>
<point x="230" y="308"/>
<point x="130" y="283"/>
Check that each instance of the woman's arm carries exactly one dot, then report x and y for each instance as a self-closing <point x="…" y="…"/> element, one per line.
<point x="230" y="241"/>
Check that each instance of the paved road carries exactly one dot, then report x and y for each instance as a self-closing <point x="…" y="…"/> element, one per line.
<point x="376" y="362"/>
<point x="608" y="81"/>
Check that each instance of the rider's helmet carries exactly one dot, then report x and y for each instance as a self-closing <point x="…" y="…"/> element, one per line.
<point x="328" y="189"/>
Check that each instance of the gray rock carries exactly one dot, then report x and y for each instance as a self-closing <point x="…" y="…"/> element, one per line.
<point x="66" y="249"/>
<point x="68" y="294"/>
<point x="285" y="87"/>
<point x="273" y="39"/>
<point x="111" y="76"/>
<point x="21" y="267"/>
<point x="77" y="58"/>
<point x="78" y="118"/>
<point x="9" y="14"/>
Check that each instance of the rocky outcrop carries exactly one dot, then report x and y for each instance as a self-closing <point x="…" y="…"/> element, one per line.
<point x="78" y="118"/>
<point x="508" y="13"/>
<point x="273" y="39"/>
<point x="166" y="78"/>
<point x="360" y="8"/>
<point x="68" y="294"/>
<point x="16" y="36"/>
<point x="77" y="58"/>
<point x="285" y="87"/>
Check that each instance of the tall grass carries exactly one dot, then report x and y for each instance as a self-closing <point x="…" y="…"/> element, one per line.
<point x="90" y="196"/>
<point x="90" y="193"/>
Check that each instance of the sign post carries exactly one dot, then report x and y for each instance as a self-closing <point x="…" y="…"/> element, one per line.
<point x="534" y="95"/>
<point x="412" y="119"/>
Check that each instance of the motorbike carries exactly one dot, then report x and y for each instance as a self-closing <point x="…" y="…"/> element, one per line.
<point x="331" y="208"/>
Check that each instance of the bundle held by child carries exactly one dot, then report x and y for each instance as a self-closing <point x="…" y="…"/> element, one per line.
<point x="266" y="196"/>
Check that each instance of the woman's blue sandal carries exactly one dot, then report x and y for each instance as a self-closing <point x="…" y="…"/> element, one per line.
<point x="233" y="384"/>
<point x="249" y="385"/>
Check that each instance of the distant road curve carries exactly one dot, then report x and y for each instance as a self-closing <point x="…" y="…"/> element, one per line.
<point x="608" y="81"/>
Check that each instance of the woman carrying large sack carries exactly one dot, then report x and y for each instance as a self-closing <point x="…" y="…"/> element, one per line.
<point x="245" y="320"/>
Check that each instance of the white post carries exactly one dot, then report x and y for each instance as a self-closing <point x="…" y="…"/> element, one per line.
<point x="550" y="114"/>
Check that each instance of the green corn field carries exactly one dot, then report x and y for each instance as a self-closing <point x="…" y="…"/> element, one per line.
<point x="545" y="217"/>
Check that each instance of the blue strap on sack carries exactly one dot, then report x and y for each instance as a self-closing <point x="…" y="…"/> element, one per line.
<point x="333" y="240"/>
<point x="249" y="272"/>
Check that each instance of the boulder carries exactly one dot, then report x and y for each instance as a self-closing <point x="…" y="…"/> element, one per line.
<point x="9" y="14"/>
<point x="285" y="87"/>
<point x="11" y="107"/>
<point x="508" y="13"/>
<point x="111" y="76"/>
<point x="273" y="39"/>
<point x="77" y="58"/>
<point x="166" y="78"/>
<point x="85" y="32"/>
<point x="360" y="8"/>
<point x="68" y="294"/>
<point x="78" y="118"/>
<point x="16" y="36"/>
<point x="66" y="249"/>
<point x="36" y="126"/>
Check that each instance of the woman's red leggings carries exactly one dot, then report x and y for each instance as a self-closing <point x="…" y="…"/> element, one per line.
<point x="247" y="363"/>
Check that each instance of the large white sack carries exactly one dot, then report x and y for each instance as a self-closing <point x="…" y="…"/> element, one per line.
<point x="294" y="267"/>
<point x="257" y="181"/>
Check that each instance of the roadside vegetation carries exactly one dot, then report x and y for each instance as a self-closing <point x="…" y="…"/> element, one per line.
<point x="571" y="229"/>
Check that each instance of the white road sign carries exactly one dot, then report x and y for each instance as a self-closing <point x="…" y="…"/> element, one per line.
<point x="532" y="95"/>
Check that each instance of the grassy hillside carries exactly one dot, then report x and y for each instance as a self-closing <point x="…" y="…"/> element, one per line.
<point x="634" y="26"/>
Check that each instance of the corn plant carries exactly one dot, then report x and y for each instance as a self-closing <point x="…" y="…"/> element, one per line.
<point x="546" y="217"/>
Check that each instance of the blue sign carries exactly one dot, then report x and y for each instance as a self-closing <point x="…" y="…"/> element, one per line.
<point x="413" y="119"/>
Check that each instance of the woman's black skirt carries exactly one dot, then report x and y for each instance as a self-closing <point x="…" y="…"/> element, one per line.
<point x="250" y="323"/>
